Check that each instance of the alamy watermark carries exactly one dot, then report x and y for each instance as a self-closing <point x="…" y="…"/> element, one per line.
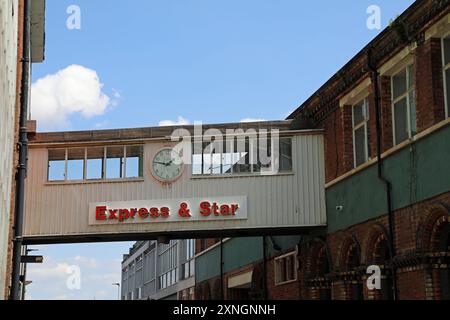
<point x="73" y="21"/>
<point x="374" y="20"/>
<point x="236" y="147"/>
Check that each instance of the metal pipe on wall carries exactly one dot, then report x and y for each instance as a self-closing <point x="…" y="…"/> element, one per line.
<point x="23" y="153"/>
<point x="388" y="185"/>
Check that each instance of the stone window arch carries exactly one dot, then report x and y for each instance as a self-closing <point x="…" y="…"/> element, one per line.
<point x="350" y="265"/>
<point x="379" y="253"/>
<point x="319" y="280"/>
<point x="433" y="242"/>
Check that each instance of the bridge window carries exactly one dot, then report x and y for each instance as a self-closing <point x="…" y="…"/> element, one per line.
<point x="243" y="155"/>
<point x="134" y="156"/>
<point x="75" y="164"/>
<point x="95" y="163"/>
<point x="114" y="162"/>
<point x="57" y="165"/>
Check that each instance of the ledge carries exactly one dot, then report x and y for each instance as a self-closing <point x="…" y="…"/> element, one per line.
<point x="393" y="150"/>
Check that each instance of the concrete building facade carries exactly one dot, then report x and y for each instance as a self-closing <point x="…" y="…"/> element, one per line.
<point x="157" y="271"/>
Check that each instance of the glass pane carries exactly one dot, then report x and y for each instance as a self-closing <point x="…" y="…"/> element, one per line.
<point x="399" y="84"/>
<point x="207" y="164"/>
<point x="196" y="164"/>
<point x="134" y="161"/>
<point x="217" y="147"/>
<point x="412" y="112"/>
<point x="243" y="150"/>
<point x="400" y="120"/>
<point x="114" y="162"/>
<point x="358" y="113"/>
<point x="94" y="164"/>
<point x="286" y="154"/>
<point x="216" y="163"/>
<point x="56" y="165"/>
<point x="410" y="76"/>
<point x="75" y="164"/>
<point x="265" y="153"/>
<point x="446" y="50"/>
<point x="360" y="146"/>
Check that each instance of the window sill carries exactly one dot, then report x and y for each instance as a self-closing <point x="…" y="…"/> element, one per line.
<point x="74" y="182"/>
<point x="396" y="148"/>
<point x="285" y="282"/>
<point x="242" y="175"/>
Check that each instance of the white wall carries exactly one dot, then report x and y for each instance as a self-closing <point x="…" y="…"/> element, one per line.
<point x="8" y="70"/>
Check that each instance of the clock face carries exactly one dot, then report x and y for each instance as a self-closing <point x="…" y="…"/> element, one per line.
<point x="167" y="165"/>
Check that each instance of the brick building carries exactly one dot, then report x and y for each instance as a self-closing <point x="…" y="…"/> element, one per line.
<point x="11" y="42"/>
<point x="385" y="118"/>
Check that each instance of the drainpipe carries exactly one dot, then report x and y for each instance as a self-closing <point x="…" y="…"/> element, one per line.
<point x="388" y="185"/>
<point x="23" y="151"/>
<point x="222" y="292"/>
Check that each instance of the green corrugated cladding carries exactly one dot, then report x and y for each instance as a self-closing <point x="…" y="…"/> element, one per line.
<point x="237" y="253"/>
<point x="417" y="172"/>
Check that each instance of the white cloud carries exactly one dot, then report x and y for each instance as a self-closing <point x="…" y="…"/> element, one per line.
<point x="252" y="120"/>
<point x="86" y="262"/>
<point x="51" y="270"/>
<point x="180" y="122"/>
<point x="50" y="278"/>
<point x="75" y="89"/>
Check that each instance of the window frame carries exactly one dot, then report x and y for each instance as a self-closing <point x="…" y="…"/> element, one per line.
<point x="445" y="67"/>
<point x="237" y="173"/>
<point x="292" y="254"/>
<point x="104" y="165"/>
<point x="365" y="124"/>
<point x="409" y="88"/>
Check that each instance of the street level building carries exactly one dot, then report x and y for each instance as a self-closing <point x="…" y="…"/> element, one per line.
<point x="152" y="271"/>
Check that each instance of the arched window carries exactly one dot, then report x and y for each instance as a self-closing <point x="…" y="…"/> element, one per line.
<point x="318" y="282"/>
<point x="350" y="266"/>
<point x="380" y="255"/>
<point x="444" y="247"/>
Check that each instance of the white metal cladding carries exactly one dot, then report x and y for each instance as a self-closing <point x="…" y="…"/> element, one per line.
<point x="285" y="200"/>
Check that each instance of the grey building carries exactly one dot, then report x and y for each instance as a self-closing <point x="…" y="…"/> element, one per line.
<point x="157" y="271"/>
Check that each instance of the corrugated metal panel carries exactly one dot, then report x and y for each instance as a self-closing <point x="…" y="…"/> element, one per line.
<point x="293" y="200"/>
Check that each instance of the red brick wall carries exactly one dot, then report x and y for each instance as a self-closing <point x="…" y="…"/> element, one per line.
<point x="287" y="291"/>
<point x="430" y="103"/>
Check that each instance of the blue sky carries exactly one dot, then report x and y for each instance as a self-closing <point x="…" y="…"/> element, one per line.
<point x="202" y="60"/>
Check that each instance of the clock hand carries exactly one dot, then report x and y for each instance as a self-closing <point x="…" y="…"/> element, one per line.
<point x="163" y="163"/>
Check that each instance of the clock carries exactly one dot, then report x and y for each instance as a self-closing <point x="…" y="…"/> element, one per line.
<point x="167" y="165"/>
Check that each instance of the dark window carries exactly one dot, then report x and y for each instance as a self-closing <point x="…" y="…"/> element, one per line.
<point x="360" y="132"/>
<point x="403" y="105"/>
<point x="446" y="64"/>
